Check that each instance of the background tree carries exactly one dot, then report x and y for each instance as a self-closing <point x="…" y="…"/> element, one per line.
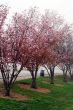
<point x="65" y="50"/>
<point x="50" y="26"/>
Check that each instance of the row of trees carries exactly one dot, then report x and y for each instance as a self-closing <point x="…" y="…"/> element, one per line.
<point x="32" y="40"/>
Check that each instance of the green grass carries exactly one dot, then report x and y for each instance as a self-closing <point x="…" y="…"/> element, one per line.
<point x="60" y="97"/>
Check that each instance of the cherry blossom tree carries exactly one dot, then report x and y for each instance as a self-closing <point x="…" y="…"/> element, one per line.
<point x="65" y="50"/>
<point x="14" y="52"/>
<point x="50" y="26"/>
<point x="17" y="40"/>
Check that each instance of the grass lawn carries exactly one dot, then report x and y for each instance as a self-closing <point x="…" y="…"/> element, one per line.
<point x="60" y="96"/>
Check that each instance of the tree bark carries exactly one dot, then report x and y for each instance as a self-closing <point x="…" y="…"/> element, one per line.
<point x="34" y="75"/>
<point x="71" y="75"/>
<point x="9" y="81"/>
<point x="7" y="91"/>
<point x="52" y="75"/>
<point x="47" y="70"/>
<point x="65" y="75"/>
<point x="52" y="78"/>
<point x="33" y="84"/>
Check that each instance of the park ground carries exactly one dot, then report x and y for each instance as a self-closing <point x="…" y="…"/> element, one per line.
<point x="58" y="96"/>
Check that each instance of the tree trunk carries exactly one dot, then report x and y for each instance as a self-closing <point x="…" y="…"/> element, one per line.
<point x="7" y="91"/>
<point x="52" y="78"/>
<point x="52" y="75"/>
<point x="33" y="84"/>
<point x="47" y="70"/>
<point x="34" y="75"/>
<point x="65" y="76"/>
<point x="71" y="75"/>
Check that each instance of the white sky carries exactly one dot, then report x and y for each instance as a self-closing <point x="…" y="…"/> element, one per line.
<point x="63" y="7"/>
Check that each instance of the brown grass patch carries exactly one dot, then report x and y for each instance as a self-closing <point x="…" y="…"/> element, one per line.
<point x="28" y="86"/>
<point x="59" y="85"/>
<point x="46" y="82"/>
<point x="61" y="98"/>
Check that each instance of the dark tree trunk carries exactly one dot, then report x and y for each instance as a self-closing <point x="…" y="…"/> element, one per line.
<point x="52" y="78"/>
<point x="52" y="75"/>
<point x="65" y="75"/>
<point x="71" y="75"/>
<point x="47" y="70"/>
<point x="9" y="81"/>
<point x="34" y="75"/>
<point x="33" y="84"/>
<point x="7" y="91"/>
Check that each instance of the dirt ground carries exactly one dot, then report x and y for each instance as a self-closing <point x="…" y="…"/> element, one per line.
<point x="13" y="95"/>
<point x="28" y="86"/>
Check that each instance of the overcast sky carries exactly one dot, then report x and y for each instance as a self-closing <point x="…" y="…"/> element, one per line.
<point x="63" y="7"/>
